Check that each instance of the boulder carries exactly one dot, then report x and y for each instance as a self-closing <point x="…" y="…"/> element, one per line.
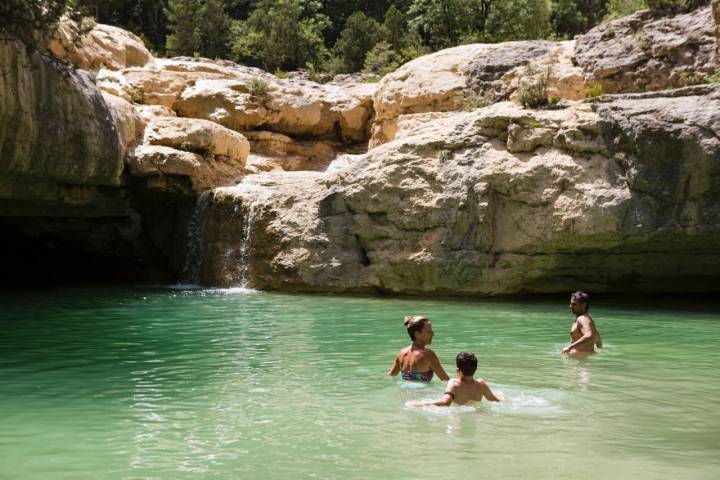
<point x="292" y="108"/>
<point x="619" y="195"/>
<point x="277" y="151"/>
<point x="104" y="46"/>
<point x="642" y="52"/>
<point x="205" y="153"/>
<point x="437" y="82"/>
<point x="148" y="112"/>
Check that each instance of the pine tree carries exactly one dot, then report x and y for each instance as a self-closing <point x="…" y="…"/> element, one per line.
<point x="394" y="28"/>
<point x="361" y="33"/>
<point x="181" y="16"/>
<point x="213" y="29"/>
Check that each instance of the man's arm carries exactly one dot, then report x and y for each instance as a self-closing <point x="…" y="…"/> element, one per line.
<point x="587" y="334"/>
<point x="436" y="367"/>
<point x="395" y="369"/>
<point x="487" y="393"/>
<point x="598" y="340"/>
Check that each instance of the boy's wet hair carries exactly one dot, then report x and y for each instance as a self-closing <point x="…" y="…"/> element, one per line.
<point x="466" y="362"/>
<point x="581" y="297"/>
<point x="414" y="324"/>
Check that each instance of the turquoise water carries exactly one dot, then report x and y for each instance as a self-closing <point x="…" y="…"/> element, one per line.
<point x="159" y="383"/>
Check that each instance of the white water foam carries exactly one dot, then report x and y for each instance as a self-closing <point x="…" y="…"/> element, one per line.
<point x="243" y="254"/>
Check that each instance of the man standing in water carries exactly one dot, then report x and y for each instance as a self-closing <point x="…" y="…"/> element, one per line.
<point x="583" y="334"/>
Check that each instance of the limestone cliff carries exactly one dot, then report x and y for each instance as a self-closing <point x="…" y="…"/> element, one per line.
<point x="614" y="196"/>
<point x="434" y="181"/>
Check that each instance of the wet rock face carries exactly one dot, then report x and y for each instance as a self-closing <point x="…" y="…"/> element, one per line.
<point x="611" y="196"/>
<point x="643" y="53"/>
<point x="62" y="182"/>
<point x="54" y="123"/>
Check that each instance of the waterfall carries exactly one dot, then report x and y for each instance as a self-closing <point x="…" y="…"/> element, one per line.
<point x="243" y="252"/>
<point x="196" y="241"/>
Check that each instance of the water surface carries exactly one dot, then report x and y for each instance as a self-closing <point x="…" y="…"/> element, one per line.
<point x="169" y="384"/>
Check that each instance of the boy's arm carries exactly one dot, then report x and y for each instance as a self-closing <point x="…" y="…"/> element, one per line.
<point x="445" y="401"/>
<point x="436" y="367"/>
<point x="598" y="340"/>
<point x="487" y="393"/>
<point x="395" y="369"/>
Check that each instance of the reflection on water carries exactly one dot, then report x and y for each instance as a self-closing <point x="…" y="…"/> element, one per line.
<point x="185" y="383"/>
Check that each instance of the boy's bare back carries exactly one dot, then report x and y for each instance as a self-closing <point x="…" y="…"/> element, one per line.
<point x="466" y="390"/>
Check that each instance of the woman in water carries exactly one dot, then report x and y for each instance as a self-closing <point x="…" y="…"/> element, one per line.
<point x="416" y="362"/>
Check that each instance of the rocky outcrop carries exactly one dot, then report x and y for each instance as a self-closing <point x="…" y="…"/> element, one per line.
<point x="309" y="110"/>
<point x="715" y="6"/>
<point x="54" y="124"/>
<point x="244" y="98"/>
<point x="632" y="54"/>
<point x="275" y="151"/>
<point x="463" y="191"/>
<point x="612" y="196"/>
<point x="643" y="53"/>
<point x="442" y="81"/>
<point x="201" y="152"/>
<point x="104" y="46"/>
<point x="293" y="124"/>
<point x="65" y="208"/>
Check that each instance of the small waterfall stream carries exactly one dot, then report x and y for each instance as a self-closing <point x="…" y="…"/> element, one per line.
<point x="196" y="241"/>
<point x="234" y="265"/>
<point x="243" y="252"/>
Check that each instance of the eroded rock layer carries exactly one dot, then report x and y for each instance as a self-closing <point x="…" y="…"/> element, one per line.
<point x="613" y="196"/>
<point x="434" y="181"/>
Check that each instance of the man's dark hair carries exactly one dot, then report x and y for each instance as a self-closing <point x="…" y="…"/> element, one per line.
<point x="466" y="362"/>
<point x="581" y="297"/>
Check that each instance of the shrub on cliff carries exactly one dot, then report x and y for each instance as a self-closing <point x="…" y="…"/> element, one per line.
<point x="31" y="21"/>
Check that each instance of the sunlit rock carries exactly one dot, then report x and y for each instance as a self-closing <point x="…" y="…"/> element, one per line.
<point x="607" y="196"/>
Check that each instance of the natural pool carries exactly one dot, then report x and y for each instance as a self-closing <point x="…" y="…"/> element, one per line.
<point x="170" y="384"/>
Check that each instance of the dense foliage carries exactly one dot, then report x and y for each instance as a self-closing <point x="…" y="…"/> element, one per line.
<point x="334" y="35"/>
<point x="30" y="20"/>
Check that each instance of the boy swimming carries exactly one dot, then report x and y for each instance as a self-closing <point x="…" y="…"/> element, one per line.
<point x="464" y="388"/>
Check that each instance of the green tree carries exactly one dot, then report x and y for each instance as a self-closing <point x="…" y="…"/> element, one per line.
<point x="213" y="30"/>
<point x="31" y="21"/>
<point x="181" y="16"/>
<point x="382" y="59"/>
<point x="517" y="20"/>
<point x="394" y="28"/>
<point x="340" y="10"/>
<point x="145" y="18"/>
<point x="281" y="34"/>
<point x="675" y="5"/>
<point x="621" y="8"/>
<point x="440" y="23"/>
<point x="361" y="33"/>
<point x="567" y="20"/>
<point x="445" y="23"/>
